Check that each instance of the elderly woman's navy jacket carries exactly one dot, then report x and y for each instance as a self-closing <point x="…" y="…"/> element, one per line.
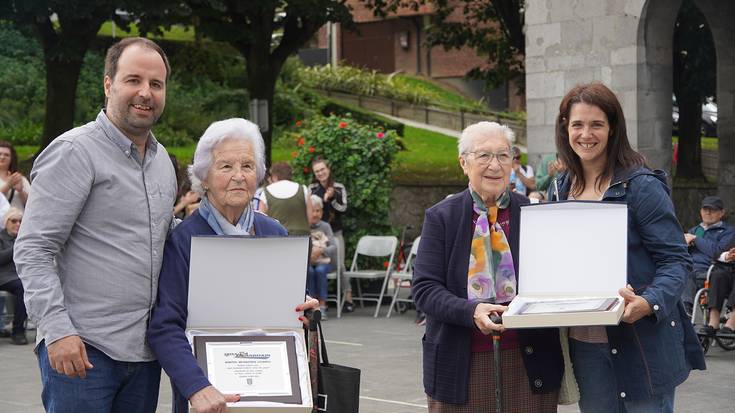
<point x="656" y="353"/>
<point x="440" y="290"/>
<point x="166" y="330"/>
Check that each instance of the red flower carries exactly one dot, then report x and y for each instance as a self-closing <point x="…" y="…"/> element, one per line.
<point x="306" y="170"/>
<point x="301" y="141"/>
<point x="342" y="125"/>
<point x="311" y="149"/>
<point x="379" y="135"/>
<point x="298" y="123"/>
<point x="386" y="264"/>
<point x="294" y="154"/>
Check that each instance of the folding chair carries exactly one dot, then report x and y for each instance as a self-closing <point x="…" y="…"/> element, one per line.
<point x="337" y="298"/>
<point x="402" y="276"/>
<point x="373" y="246"/>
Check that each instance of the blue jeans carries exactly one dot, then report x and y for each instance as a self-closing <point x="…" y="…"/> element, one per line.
<point x="316" y="280"/>
<point x="111" y="386"/>
<point x="593" y="367"/>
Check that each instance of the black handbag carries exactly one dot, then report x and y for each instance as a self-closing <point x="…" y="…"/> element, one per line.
<point x="338" y="386"/>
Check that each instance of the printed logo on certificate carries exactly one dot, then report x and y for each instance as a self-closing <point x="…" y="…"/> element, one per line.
<point x="258" y="368"/>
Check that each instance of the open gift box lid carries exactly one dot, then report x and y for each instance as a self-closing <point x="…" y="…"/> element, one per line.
<point x="244" y="283"/>
<point x="570" y="250"/>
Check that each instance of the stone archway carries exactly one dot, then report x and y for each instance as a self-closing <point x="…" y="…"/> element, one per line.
<point x="720" y="16"/>
<point x="654" y="83"/>
<point x="626" y="44"/>
<point x="654" y="91"/>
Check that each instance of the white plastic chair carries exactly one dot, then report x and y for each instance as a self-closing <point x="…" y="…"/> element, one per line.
<point x="406" y="275"/>
<point x="373" y="246"/>
<point x="337" y="298"/>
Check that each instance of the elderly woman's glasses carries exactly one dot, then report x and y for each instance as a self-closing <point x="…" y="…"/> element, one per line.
<point x="484" y="158"/>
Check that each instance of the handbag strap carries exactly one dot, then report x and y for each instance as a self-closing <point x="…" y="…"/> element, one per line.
<point x="322" y="344"/>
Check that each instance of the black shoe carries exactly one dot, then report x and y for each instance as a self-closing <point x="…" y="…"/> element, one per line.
<point x="19" y="339"/>
<point x="707" y="330"/>
<point x="4" y="333"/>
<point x="348" y="307"/>
<point x="726" y="331"/>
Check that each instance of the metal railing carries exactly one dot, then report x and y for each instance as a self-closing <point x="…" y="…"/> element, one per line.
<point x="430" y="115"/>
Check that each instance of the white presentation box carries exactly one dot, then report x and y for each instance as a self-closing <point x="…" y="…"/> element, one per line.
<point x="571" y="250"/>
<point x="246" y="283"/>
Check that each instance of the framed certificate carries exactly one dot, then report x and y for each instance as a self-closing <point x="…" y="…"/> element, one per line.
<point x="568" y="306"/>
<point x="258" y="368"/>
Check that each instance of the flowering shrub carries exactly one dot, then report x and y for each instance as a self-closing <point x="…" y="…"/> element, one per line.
<point x="360" y="158"/>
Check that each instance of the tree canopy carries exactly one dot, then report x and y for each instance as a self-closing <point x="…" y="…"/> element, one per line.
<point x="494" y="29"/>
<point x="65" y="29"/>
<point x="266" y="33"/>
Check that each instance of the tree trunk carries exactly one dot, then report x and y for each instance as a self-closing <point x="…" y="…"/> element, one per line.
<point x="62" y="76"/>
<point x="262" y="76"/>
<point x="690" y="148"/>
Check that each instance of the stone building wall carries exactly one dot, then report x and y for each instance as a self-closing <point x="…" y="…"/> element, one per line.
<point x="627" y="45"/>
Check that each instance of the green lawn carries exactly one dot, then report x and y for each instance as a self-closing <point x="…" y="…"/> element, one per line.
<point x="429" y="157"/>
<point x="177" y="32"/>
<point x="708" y="144"/>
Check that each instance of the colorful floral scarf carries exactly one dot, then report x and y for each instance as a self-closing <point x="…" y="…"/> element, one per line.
<point x="491" y="263"/>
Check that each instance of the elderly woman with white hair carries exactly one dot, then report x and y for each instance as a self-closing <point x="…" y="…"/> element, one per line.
<point x="9" y="280"/>
<point x="467" y="270"/>
<point x="228" y="163"/>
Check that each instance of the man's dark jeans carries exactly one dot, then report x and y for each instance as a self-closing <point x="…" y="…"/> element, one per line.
<point x="111" y="386"/>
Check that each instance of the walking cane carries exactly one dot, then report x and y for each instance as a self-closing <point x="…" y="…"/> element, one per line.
<point x="496" y="357"/>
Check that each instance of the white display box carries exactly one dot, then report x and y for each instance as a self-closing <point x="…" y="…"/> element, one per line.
<point x="245" y="283"/>
<point x="570" y="250"/>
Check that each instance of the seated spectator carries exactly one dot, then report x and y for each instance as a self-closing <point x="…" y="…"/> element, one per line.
<point x="521" y="176"/>
<point x="13" y="184"/>
<point x="286" y="200"/>
<point x="549" y="167"/>
<point x="721" y="286"/>
<point x="188" y="202"/>
<point x="706" y="241"/>
<point x="323" y="255"/>
<point x="9" y="280"/>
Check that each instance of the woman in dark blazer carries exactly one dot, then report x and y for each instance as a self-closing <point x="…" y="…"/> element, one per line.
<point x="468" y="257"/>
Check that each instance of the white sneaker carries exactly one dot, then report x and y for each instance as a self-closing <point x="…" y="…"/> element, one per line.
<point x="323" y="310"/>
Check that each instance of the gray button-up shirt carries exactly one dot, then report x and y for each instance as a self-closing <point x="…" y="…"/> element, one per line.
<point x="91" y="243"/>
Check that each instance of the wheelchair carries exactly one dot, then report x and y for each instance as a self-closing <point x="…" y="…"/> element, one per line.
<point x="700" y="315"/>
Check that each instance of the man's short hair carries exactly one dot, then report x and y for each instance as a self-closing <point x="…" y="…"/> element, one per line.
<point x="117" y="49"/>
<point x="282" y="171"/>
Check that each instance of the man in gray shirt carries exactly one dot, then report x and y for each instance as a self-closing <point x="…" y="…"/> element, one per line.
<point x="90" y="247"/>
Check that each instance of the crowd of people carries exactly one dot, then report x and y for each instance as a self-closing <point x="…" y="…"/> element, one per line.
<point x="109" y="296"/>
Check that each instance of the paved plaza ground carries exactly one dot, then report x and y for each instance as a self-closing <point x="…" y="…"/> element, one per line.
<point x="388" y="352"/>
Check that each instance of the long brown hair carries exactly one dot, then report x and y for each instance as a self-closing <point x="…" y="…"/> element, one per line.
<point x="320" y="159"/>
<point x="619" y="153"/>
<point x="13" y="167"/>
